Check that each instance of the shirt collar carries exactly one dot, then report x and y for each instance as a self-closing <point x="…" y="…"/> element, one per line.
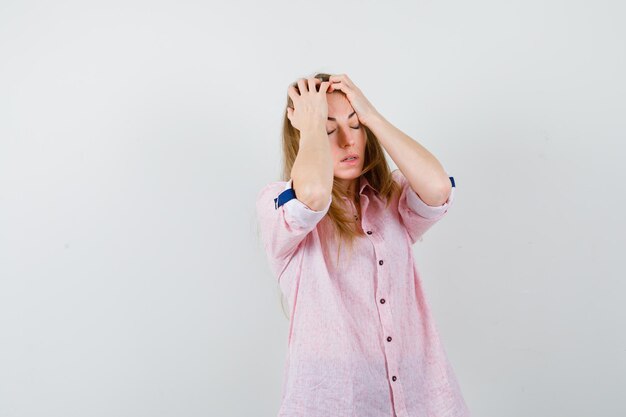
<point x="363" y="183"/>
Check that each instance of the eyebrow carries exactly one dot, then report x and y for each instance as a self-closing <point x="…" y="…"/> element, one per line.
<point x="352" y="114"/>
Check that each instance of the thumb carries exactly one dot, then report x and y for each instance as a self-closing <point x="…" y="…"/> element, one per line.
<point x="289" y="113"/>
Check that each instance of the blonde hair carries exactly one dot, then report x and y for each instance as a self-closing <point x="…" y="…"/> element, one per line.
<point x="338" y="224"/>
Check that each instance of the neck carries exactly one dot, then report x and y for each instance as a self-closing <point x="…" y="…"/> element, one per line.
<point x="348" y="187"/>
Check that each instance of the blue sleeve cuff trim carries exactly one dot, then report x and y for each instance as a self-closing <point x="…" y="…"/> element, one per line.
<point x="283" y="197"/>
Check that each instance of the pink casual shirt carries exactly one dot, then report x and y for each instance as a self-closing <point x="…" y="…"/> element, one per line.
<point x="362" y="341"/>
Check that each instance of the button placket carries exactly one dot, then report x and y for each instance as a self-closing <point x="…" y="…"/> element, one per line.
<point x="386" y="318"/>
<point x="391" y="355"/>
<point x="387" y="321"/>
<point x="393" y="369"/>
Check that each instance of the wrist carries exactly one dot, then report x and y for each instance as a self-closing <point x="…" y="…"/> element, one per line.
<point x="373" y="119"/>
<point x="313" y="129"/>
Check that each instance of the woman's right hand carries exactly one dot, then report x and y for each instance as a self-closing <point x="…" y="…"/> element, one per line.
<point x="311" y="106"/>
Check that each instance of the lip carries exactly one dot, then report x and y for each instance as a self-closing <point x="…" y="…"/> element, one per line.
<point x="350" y="156"/>
<point x="353" y="162"/>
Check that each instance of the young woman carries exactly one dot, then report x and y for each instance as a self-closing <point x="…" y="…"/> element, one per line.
<point x="362" y="341"/>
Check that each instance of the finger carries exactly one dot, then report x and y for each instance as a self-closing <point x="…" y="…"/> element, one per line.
<point x="341" y="78"/>
<point x="293" y="93"/>
<point x="339" y="86"/>
<point x="316" y="83"/>
<point x="312" y="84"/>
<point x="324" y="87"/>
<point x="302" y="86"/>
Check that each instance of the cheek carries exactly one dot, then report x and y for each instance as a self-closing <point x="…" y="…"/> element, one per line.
<point x="335" y="150"/>
<point x="362" y="138"/>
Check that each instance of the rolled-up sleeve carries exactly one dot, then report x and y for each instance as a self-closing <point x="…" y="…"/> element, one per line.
<point x="416" y="215"/>
<point x="283" y="229"/>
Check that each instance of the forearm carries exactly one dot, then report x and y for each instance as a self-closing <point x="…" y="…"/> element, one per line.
<point x="312" y="171"/>
<point x="423" y="171"/>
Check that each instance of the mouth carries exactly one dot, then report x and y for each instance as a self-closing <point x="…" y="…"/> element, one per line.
<point x="352" y="157"/>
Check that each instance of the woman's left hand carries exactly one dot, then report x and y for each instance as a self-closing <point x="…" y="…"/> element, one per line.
<point x="363" y="108"/>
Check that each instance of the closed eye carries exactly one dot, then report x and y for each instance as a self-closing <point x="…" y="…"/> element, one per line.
<point x="332" y="131"/>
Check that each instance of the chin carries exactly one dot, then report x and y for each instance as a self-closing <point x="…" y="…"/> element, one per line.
<point x="354" y="174"/>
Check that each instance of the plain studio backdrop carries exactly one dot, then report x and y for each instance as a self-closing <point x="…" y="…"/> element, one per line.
<point x="134" y="137"/>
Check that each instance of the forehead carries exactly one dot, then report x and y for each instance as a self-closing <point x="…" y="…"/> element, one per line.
<point x="339" y="106"/>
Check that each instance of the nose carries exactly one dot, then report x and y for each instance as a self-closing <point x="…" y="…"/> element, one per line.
<point x="346" y="137"/>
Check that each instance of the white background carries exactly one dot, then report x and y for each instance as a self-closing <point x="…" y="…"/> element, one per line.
<point x="134" y="137"/>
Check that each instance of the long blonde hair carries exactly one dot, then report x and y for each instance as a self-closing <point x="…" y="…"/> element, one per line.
<point x="338" y="223"/>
